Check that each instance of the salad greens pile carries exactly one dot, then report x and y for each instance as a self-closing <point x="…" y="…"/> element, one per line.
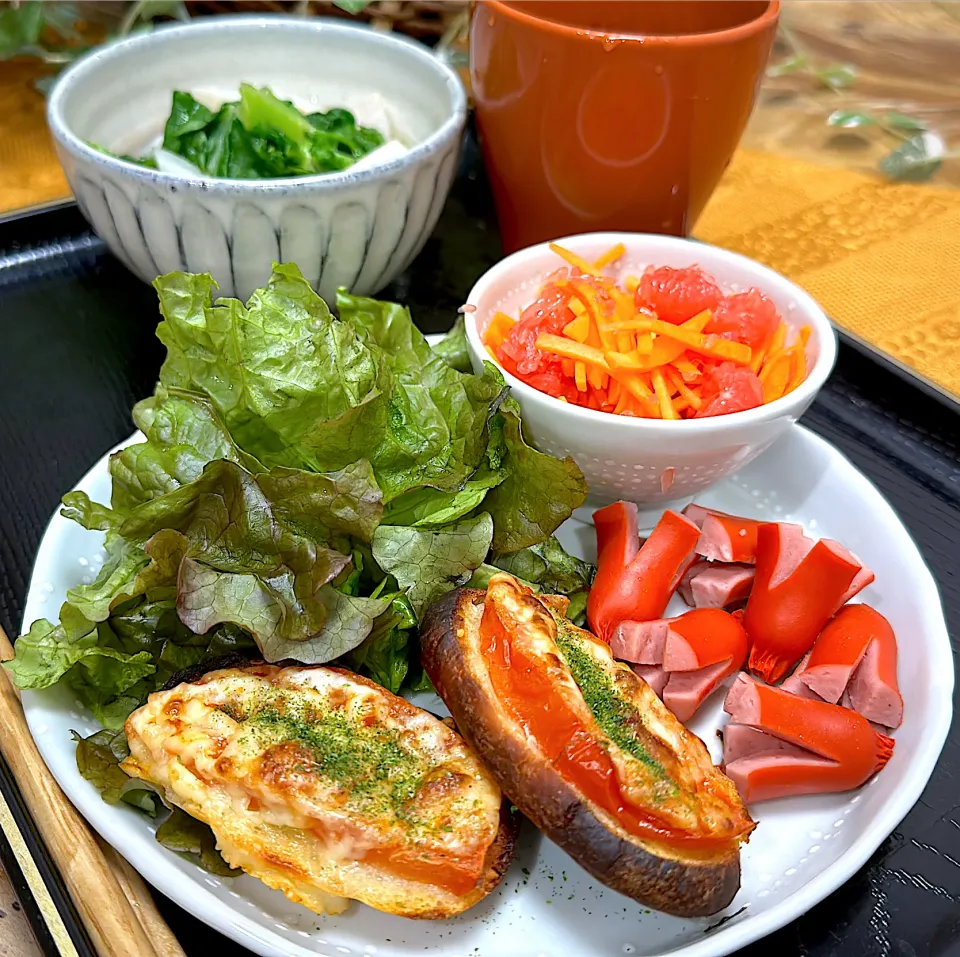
<point x="261" y="136"/>
<point x="306" y="486"/>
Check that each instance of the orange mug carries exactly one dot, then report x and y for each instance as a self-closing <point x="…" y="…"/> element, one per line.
<point x="611" y="114"/>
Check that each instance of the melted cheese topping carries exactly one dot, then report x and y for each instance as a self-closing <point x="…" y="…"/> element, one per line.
<point x="322" y="783"/>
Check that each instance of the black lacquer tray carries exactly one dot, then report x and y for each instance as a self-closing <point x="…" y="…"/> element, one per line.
<point x="77" y="349"/>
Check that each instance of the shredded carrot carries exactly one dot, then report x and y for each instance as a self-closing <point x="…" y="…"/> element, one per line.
<point x="499" y="329"/>
<point x="644" y="343"/>
<point x="711" y="346"/>
<point x="578" y="262"/>
<point x="798" y="367"/>
<point x="774" y="376"/>
<point x="610" y="256"/>
<point x="578" y="328"/>
<point x="615" y="391"/>
<point x="776" y="344"/>
<point x="688" y="371"/>
<point x="625" y="342"/>
<point x="580" y="376"/>
<point x="667" y="411"/>
<point x="688" y="395"/>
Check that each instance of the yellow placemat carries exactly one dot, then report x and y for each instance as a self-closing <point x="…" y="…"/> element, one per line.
<point x="29" y="171"/>
<point x="883" y="259"/>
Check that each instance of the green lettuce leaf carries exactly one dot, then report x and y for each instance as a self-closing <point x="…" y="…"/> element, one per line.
<point x="311" y="626"/>
<point x="549" y="566"/>
<point x="452" y="348"/>
<point x="78" y="508"/>
<point x="540" y="491"/>
<point x="46" y="653"/>
<point x="347" y="501"/>
<point x="98" y="761"/>
<point x="289" y="381"/>
<point x="429" y="507"/>
<point x="192" y="839"/>
<point x="184" y="433"/>
<point x="385" y="654"/>
<point x="296" y="387"/>
<point x="428" y="563"/>
<point x="123" y="562"/>
<point x="435" y="433"/>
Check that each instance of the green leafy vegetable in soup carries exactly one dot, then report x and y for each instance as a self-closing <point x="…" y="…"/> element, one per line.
<point x="261" y="136"/>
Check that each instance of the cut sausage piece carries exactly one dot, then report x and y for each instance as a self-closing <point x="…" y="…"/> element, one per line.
<point x="742" y="741"/>
<point x="863" y="577"/>
<point x="798" y="586"/>
<point x="636" y="583"/>
<point x="683" y="659"/>
<point x="728" y="538"/>
<point x="838" y="749"/>
<point x="857" y="653"/>
<point x="654" y="675"/>
<point x="685" y="691"/>
<point x="640" y="642"/>
<point x="796" y="685"/>
<point x="709" y="585"/>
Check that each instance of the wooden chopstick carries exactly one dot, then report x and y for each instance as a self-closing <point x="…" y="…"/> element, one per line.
<point x="116" y="908"/>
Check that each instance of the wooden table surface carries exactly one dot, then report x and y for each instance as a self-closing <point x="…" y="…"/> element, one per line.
<point x="905" y="57"/>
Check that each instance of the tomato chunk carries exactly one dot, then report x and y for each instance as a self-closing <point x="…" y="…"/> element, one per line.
<point x="748" y="317"/>
<point x="677" y="295"/>
<point x="730" y="388"/>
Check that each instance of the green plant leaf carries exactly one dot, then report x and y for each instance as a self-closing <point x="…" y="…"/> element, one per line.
<point x="91" y="515"/>
<point x="385" y="655"/>
<point x="549" y="566"/>
<point x="901" y="121"/>
<point x="850" y="119"/>
<point x="352" y="6"/>
<point x="20" y="27"/>
<point x="912" y="161"/>
<point x="124" y="560"/>
<point x="837" y="77"/>
<point x="98" y="761"/>
<point x="794" y="64"/>
<point x="184" y="432"/>
<point x="46" y="653"/>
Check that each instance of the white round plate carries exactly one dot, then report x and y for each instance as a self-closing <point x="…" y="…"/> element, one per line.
<point x="802" y="850"/>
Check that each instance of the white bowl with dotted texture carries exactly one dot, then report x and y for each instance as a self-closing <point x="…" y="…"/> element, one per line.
<point x="353" y="228"/>
<point x="649" y="461"/>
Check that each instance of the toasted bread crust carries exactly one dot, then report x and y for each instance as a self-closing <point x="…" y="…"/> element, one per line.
<point x="658" y="877"/>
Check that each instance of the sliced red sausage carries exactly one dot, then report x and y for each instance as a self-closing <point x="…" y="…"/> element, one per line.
<point x="715" y="585"/>
<point x="797" y="588"/>
<point x="857" y="653"/>
<point x="838" y="750"/>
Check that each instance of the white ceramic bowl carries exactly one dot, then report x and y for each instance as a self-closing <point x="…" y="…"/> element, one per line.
<point x="654" y="463"/>
<point x="355" y="229"/>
